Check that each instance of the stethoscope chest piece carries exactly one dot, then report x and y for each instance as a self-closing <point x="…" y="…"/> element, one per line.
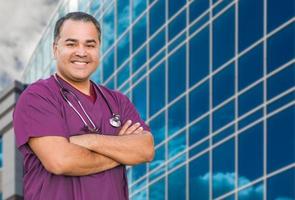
<point x="115" y="121"/>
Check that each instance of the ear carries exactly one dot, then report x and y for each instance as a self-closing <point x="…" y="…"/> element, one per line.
<point x="54" y="49"/>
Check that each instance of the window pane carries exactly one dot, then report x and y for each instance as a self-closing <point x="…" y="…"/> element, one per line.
<point x="157" y="43"/>
<point x="157" y="89"/>
<point x="280" y="139"/>
<point x="199" y="178"/>
<point x="138" y="171"/>
<point x="123" y="49"/>
<point x="158" y="128"/>
<point x="250" y="21"/>
<point x="157" y="190"/>
<point x="250" y="67"/>
<point x="139" y="33"/>
<point x="199" y="130"/>
<point x="139" y="98"/>
<point x="157" y="20"/>
<point x="123" y="74"/>
<point x="250" y="154"/>
<point x="176" y="145"/>
<point x="175" y="6"/>
<point x="199" y="101"/>
<point x="281" y="82"/>
<point x="177" y="25"/>
<point x="223" y="115"/>
<point x="224" y="168"/>
<point x="223" y="38"/>
<point x="138" y="7"/>
<point x="139" y="59"/>
<point x="253" y="192"/>
<point x="197" y="8"/>
<point x="123" y="14"/>
<point x="176" y="116"/>
<point x="176" y="72"/>
<point x="280" y="48"/>
<point x="159" y="158"/>
<point x="108" y="29"/>
<point x="177" y="184"/>
<point x="108" y="65"/>
<point x="199" y="56"/>
<point x="278" y="13"/>
<point x="250" y="99"/>
<point x="223" y="84"/>
<point x="281" y="186"/>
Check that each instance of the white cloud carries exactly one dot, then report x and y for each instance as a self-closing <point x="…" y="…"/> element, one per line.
<point x="21" y="22"/>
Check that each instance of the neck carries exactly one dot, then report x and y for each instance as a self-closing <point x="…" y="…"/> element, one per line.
<point x="82" y="86"/>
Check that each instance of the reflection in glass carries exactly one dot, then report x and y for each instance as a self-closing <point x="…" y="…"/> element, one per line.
<point x="176" y="116"/>
<point x="177" y="184"/>
<point x="139" y="98"/>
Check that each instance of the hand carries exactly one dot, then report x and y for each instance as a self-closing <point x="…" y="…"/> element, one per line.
<point x="128" y="128"/>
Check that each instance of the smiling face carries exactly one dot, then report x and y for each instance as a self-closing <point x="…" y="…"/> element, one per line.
<point x="76" y="50"/>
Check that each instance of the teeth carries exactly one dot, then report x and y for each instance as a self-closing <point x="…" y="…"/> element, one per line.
<point x="79" y="63"/>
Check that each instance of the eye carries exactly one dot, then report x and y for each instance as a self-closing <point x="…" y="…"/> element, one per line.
<point x="90" y="46"/>
<point x="70" y="44"/>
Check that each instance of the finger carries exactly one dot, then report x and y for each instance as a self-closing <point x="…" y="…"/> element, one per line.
<point x="125" y="127"/>
<point x="138" y="131"/>
<point x="132" y="128"/>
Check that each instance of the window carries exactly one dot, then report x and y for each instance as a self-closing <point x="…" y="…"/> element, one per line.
<point x="281" y="186"/>
<point x="123" y="74"/>
<point x="199" y="56"/>
<point x="199" y="178"/>
<point x="250" y="21"/>
<point x="197" y="8"/>
<point x="280" y="48"/>
<point x="223" y="84"/>
<point x="176" y="116"/>
<point x="157" y="16"/>
<point x="198" y="131"/>
<point x="123" y="20"/>
<point x="223" y="115"/>
<point x="139" y="33"/>
<point x="199" y="101"/>
<point x="159" y="158"/>
<point x="175" y="6"/>
<point x="158" y="128"/>
<point x="108" y="29"/>
<point x="250" y="67"/>
<point x="280" y="139"/>
<point x="223" y="168"/>
<point x="223" y="38"/>
<point x="138" y="171"/>
<point x="108" y="65"/>
<point x="219" y="6"/>
<point x="278" y="13"/>
<point x="138" y="7"/>
<point x="250" y="154"/>
<point x="123" y="49"/>
<point x="176" y="145"/>
<point x="177" y="25"/>
<point x="250" y="99"/>
<point x="177" y="184"/>
<point x="139" y="98"/>
<point x="281" y="82"/>
<point x="139" y="59"/>
<point x="253" y="192"/>
<point x="157" y="89"/>
<point x="157" y="190"/>
<point x="177" y="73"/>
<point x="157" y="43"/>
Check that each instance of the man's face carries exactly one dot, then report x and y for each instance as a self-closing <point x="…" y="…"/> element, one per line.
<point x="77" y="50"/>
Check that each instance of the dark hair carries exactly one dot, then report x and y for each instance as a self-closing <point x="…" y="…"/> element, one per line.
<point x="76" y="16"/>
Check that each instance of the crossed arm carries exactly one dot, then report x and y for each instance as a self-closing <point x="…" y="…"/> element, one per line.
<point x="93" y="153"/>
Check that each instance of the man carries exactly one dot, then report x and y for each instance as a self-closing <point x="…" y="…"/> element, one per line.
<point x="73" y="147"/>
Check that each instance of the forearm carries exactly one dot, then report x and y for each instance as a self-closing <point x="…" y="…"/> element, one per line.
<point x="79" y="161"/>
<point x="127" y="149"/>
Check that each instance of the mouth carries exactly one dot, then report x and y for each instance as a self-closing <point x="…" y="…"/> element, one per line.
<point x="80" y="62"/>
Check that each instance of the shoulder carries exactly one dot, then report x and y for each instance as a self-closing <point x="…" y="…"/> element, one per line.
<point x="41" y="89"/>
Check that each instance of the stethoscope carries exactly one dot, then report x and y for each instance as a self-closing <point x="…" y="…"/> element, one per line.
<point x="114" y="120"/>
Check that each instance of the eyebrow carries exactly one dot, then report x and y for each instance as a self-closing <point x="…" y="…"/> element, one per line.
<point x="74" y="40"/>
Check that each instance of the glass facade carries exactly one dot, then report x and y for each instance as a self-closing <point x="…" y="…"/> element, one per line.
<point x="215" y="82"/>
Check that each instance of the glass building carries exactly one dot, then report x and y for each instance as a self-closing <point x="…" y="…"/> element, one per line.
<point x="214" y="80"/>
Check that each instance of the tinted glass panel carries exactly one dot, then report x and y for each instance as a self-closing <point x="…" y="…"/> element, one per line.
<point x="176" y="116"/>
<point x="174" y="6"/>
<point x="139" y="33"/>
<point x="138" y="8"/>
<point x="177" y="25"/>
<point x="139" y="98"/>
<point x="108" y="65"/>
<point x="157" y="190"/>
<point x="123" y="49"/>
<point x="123" y="14"/>
<point x="177" y="184"/>
<point x="223" y="115"/>
<point x="157" y="16"/>
<point x="199" y="131"/>
<point x="158" y="127"/>
<point x="157" y="43"/>
<point x="254" y="192"/>
<point x="197" y="8"/>
<point x="108" y="29"/>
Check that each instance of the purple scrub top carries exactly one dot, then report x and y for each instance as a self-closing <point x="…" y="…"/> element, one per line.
<point x="41" y="111"/>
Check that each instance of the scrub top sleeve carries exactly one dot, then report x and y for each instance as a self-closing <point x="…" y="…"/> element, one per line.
<point x="37" y="115"/>
<point x="130" y="113"/>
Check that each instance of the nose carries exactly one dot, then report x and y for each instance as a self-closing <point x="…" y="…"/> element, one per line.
<point x="80" y="51"/>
